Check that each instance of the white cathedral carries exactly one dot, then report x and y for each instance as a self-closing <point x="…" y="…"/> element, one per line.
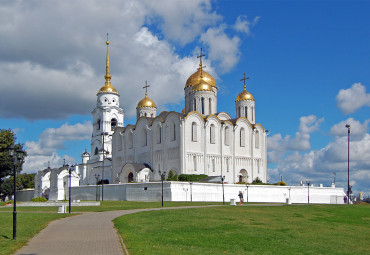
<point x="199" y="140"/>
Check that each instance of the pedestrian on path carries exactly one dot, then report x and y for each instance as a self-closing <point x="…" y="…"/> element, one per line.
<point x="241" y="197"/>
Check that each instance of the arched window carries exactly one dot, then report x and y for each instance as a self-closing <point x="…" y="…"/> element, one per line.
<point x="130" y="140"/>
<point x="159" y="134"/>
<point x="227" y="165"/>
<point x="227" y="136"/>
<point x="210" y="106"/>
<point x="246" y="112"/>
<point x="212" y="134"/>
<point x="242" y="137"/>
<point x="194" y="104"/>
<point x="202" y="100"/>
<point x="174" y="132"/>
<point x="194" y="132"/>
<point x="195" y="162"/>
<point x="144" y="137"/>
<point x="257" y="140"/>
<point x="98" y="124"/>
<point x="252" y="113"/>
<point x="130" y="177"/>
<point x="113" y="123"/>
<point x="96" y="151"/>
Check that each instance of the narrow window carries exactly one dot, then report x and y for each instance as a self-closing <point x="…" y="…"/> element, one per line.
<point x="159" y="134"/>
<point x="145" y="140"/>
<point x="98" y="124"/>
<point x="246" y="112"/>
<point x="202" y="100"/>
<point x="174" y="131"/>
<point x="113" y="124"/>
<point x="227" y="165"/>
<point x="252" y="113"/>
<point x="96" y="151"/>
<point x="227" y="129"/>
<point x="213" y="165"/>
<point x="194" y="132"/>
<point x="195" y="162"/>
<point x="242" y="137"/>
<point x="130" y="139"/>
<point x="257" y="140"/>
<point x="194" y="104"/>
<point x="212" y="134"/>
<point x="210" y="106"/>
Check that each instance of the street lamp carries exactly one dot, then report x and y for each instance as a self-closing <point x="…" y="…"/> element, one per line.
<point x="163" y="175"/>
<point x="70" y="187"/>
<point x="102" y="177"/>
<point x="223" y="190"/>
<point x="97" y="179"/>
<point x="16" y="159"/>
<point x="191" y="191"/>
<point x="308" y="185"/>
<point x="349" y="132"/>
<point x="247" y="193"/>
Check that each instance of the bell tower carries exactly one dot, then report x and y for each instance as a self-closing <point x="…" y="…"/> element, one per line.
<point x="107" y="115"/>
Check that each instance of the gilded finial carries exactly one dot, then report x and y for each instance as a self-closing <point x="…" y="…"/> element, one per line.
<point x="244" y="79"/>
<point x="146" y="88"/>
<point x="200" y="62"/>
<point x="107" y="72"/>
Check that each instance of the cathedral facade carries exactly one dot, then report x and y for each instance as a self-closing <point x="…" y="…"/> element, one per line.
<point x="199" y="140"/>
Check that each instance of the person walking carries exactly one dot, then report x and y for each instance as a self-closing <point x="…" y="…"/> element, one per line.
<point x="241" y="197"/>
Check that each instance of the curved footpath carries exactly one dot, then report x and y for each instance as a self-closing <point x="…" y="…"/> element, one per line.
<point x="87" y="233"/>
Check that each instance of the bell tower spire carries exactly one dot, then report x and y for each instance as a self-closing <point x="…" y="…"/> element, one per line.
<point x="107" y="72"/>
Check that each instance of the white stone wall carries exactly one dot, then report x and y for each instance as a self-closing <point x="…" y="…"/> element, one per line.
<point x="203" y="192"/>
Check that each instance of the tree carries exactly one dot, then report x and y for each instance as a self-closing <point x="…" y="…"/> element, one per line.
<point x="7" y="138"/>
<point x="24" y="181"/>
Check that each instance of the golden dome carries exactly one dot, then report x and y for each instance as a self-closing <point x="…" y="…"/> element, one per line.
<point x="194" y="79"/>
<point x="108" y="88"/>
<point x="146" y="102"/>
<point x="183" y="110"/>
<point x="245" y="95"/>
<point x="202" y="86"/>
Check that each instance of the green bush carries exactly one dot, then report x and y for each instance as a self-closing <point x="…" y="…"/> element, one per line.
<point x="191" y="177"/>
<point x="39" y="199"/>
<point x="172" y="177"/>
<point x="257" y="181"/>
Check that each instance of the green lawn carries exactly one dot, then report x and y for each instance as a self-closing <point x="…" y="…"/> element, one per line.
<point x="296" y="229"/>
<point x="28" y="225"/>
<point x="109" y="206"/>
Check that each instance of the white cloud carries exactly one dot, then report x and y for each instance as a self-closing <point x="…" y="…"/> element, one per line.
<point x="41" y="152"/>
<point x="352" y="99"/>
<point x="53" y="54"/>
<point x="358" y="129"/>
<point x="301" y="142"/>
<point x="319" y="165"/>
<point x="223" y="49"/>
<point x="243" y="25"/>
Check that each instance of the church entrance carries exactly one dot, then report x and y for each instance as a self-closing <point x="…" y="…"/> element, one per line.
<point x="243" y="176"/>
<point x="130" y="177"/>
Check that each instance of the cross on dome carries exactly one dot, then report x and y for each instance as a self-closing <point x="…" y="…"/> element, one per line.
<point x="146" y="88"/>
<point x="200" y="62"/>
<point x="244" y="79"/>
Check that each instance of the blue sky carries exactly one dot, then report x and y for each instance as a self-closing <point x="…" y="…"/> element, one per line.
<point x="308" y="63"/>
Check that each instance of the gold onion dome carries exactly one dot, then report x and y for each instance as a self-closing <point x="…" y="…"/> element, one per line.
<point x="146" y="102"/>
<point x="202" y="86"/>
<point x="245" y="95"/>
<point x="199" y="75"/>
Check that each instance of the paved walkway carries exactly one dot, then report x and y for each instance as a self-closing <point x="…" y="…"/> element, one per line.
<point x="87" y="233"/>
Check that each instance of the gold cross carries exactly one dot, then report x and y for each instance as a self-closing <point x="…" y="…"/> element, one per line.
<point x="244" y="79"/>
<point x="146" y="87"/>
<point x="200" y="62"/>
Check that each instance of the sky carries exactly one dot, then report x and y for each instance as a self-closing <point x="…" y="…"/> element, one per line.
<point x="308" y="63"/>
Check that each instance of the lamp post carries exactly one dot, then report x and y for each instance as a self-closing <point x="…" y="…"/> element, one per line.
<point x="223" y="190"/>
<point x="247" y="193"/>
<point x="308" y="186"/>
<point x="191" y="191"/>
<point x="349" y="132"/>
<point x="163" y="175"/>
<point x="97" y="179"/>
<point x="102" y="177"/>
<point x="16" y="158"/>
<point x="70" y="188"/>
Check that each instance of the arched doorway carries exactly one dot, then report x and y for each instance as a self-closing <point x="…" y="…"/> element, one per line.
<point x="243" y="176"/>
<point x="130" y="177"/>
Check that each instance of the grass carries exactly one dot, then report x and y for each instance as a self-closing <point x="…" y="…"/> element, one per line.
<point x="28" y="225"/>
<point x="313" y="229"/>
<point x="109" y="206"/>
